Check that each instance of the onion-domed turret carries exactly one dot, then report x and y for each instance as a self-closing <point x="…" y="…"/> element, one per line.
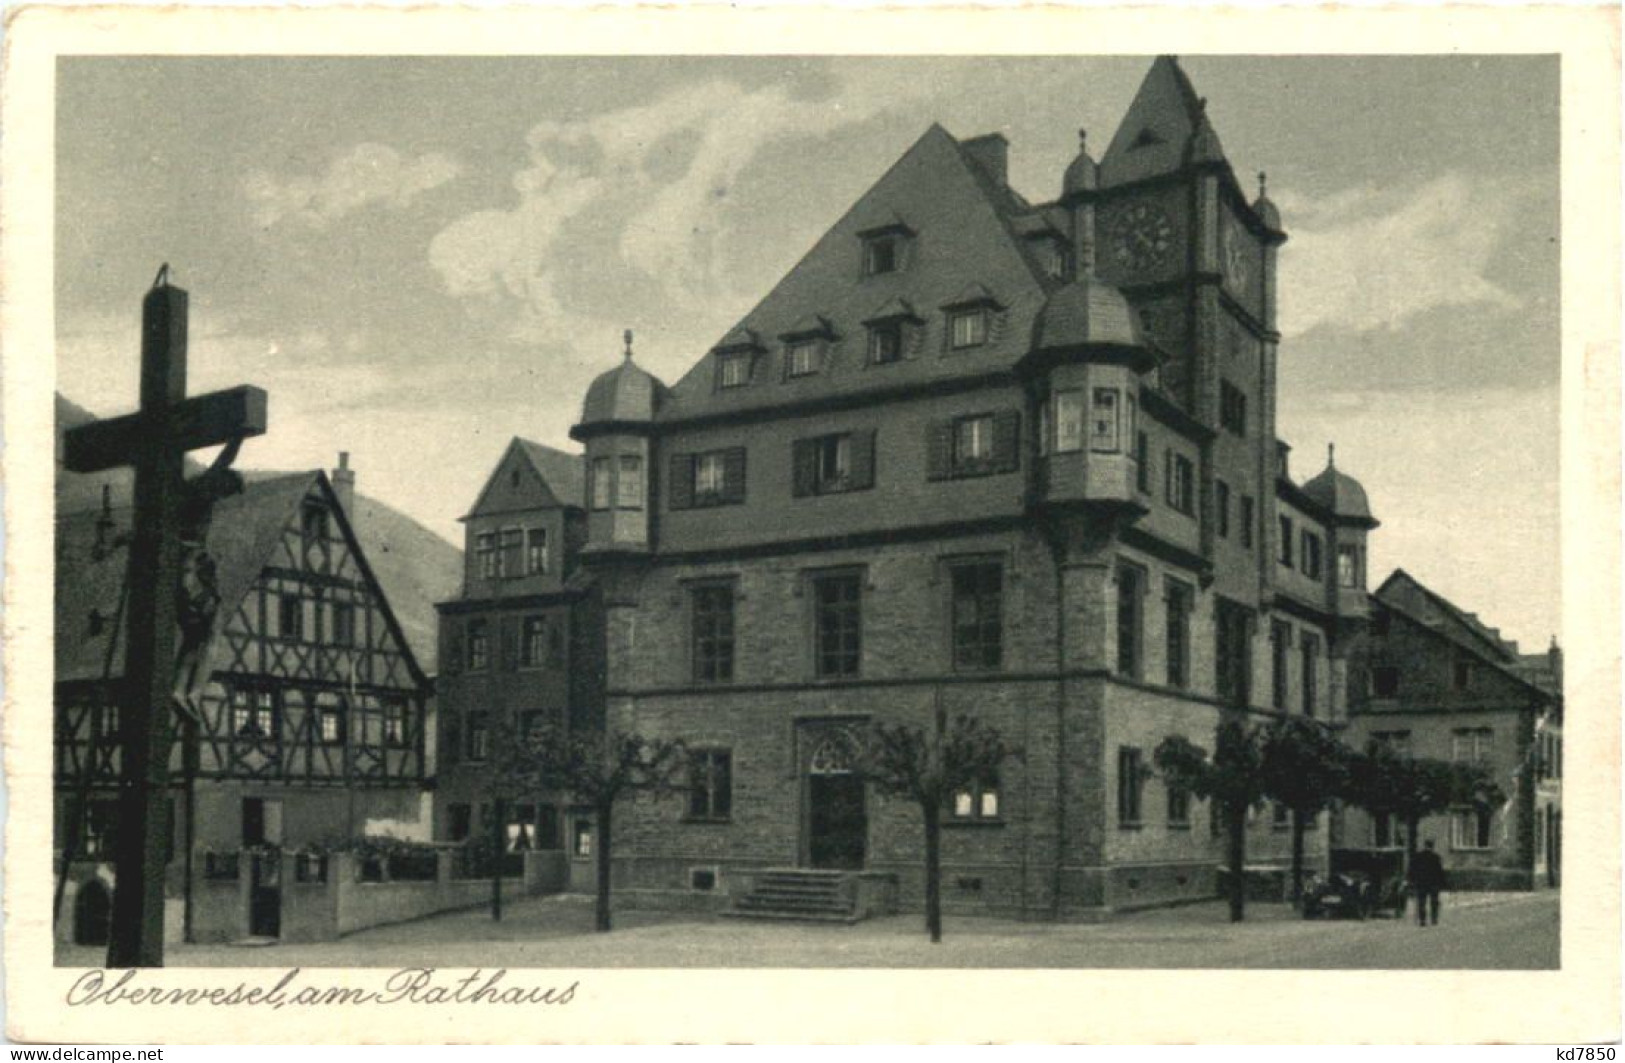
<point x="617" y="419"/>
<point x="623" y="395"/>
<point x="1087" y="313"/>
<point x="1341" y="494"/>
<point x="1082" y="174"/>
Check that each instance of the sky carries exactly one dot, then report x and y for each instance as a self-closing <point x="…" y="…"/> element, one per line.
<point x="421" y="258"/>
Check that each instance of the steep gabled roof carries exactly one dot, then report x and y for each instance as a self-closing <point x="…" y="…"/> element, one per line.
<point x="1480" y="654"/>
<point x="561" y="471"/>
<point x="1157" y="128"/>
<point x="962" y="218"/>
<point x="1467" y="625"/>
<point x="242" y="540"/>
<point x="242" y="535"/>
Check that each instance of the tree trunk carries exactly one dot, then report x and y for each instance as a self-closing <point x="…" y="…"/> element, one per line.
<point x="499" y="849"/>
<point x="601" y="908"/>
<point x="933" y="870"/>
<point x="1297" y="858"/>
<point x="1237" y="817"/>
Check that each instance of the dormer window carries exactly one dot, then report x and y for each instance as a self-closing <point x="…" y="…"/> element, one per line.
<point x="967" y="328"/>
<point x="801" y="358"/>
<point x="969" y="317"/>
<point x="733" y="370"/>
<point x="881" y="255"/>
<point x="885" y="342"/>
<point x="885" y="248"/>
<point x="804" y="345"/>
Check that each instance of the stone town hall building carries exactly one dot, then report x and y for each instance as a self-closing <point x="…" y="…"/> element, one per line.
<point x="1007" y="458"/>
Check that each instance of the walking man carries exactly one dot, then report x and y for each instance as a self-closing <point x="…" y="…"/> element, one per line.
<point x="1427" y="879"/>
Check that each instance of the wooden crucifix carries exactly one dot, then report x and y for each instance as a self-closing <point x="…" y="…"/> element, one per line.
<point x="155" y="441"/>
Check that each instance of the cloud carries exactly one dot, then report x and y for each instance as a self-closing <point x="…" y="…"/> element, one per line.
<point x="638" y="200"/>
<point x="369" y="174"/>
<point x="1369" y="259"/>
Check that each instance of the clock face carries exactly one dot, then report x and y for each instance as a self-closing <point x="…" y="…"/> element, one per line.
<point x="1142" y="237"/>
<point x="1233" y="252"/>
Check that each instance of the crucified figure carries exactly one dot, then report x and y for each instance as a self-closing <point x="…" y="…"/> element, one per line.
<point x="197" y="595"/>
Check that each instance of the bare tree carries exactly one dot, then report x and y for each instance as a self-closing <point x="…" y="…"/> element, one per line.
<point x="1233" y="778"/>
<point x="599" y="769"/>
<point x="930" y="768"/>
<point x="1305" y="769"/>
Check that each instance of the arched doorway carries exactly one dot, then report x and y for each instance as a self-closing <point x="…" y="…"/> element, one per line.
<point x="837" y="817"/>
<point x="92" y="914"/>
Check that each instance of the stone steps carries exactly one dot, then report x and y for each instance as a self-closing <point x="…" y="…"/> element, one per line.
<point x="795" y="895"/>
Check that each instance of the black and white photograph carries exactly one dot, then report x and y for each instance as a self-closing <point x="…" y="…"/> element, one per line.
<point x="1082" y="510"/>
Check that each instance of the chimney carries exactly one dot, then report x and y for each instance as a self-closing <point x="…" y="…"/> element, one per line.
<point x="343" y="479"/>
<point x="1282" y="450"/>
<point x="992" y="153"/>
<point x="1554" y="661"/>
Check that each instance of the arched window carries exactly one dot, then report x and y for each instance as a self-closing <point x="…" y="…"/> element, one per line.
<point x="836" y="754"/>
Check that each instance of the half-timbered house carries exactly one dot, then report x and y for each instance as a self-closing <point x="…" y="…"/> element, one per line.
<point x="306" y="724"/>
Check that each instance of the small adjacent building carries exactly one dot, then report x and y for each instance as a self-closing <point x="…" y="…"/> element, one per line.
<point x="1433" y="680"/>
<point x="521" y="647"/>
<point x="309" y="713"/>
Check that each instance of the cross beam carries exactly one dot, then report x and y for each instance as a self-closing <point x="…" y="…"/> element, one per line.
<point x="155" y="441"/>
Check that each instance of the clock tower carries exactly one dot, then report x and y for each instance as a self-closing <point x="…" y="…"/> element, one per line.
<point x="1175" y="233"/>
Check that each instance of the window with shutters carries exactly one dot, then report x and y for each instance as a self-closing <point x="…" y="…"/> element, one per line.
<point x="837" y="624"/>
<point x="1130" y="619"/>
<point x="834" y="463"/>
<point x="976" y="445"/>
<point x="978" y="615"/>
<point x="710" y="784"/>
<point x="712" y="623"/>
<point x="711" y="478"/>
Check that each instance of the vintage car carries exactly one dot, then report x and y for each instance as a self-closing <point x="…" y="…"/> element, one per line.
<point x="1359" y="883"/>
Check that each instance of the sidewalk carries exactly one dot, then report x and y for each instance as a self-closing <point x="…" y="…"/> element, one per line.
<point x="1506" y="930"/>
